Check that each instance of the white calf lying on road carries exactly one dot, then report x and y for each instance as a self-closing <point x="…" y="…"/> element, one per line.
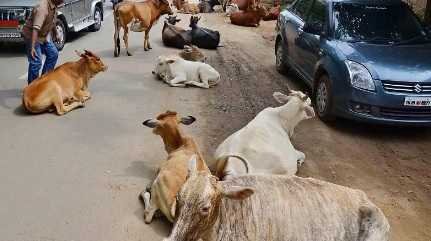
<point x="179" y="72"/>
<point x="264" y="143"/>
<point x="274" y="208"/>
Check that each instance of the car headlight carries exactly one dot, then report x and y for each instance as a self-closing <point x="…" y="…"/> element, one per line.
<point x="360" y="77"/>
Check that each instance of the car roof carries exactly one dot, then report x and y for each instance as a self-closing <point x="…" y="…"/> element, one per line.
<point x="372" y="2"/>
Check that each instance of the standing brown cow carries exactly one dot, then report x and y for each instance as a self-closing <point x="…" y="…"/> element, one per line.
<point x="146" y="13"/>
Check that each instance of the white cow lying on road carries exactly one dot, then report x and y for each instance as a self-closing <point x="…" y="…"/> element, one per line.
<point x="263" y="145"/>
<point x="179" y="72"/>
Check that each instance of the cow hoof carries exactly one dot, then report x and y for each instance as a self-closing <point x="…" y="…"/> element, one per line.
<point x="146" y="49"/>
<point x="129" y="54"/>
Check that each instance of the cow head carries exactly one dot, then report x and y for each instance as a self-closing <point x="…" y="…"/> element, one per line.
<point x="198" y="203"/>
<point x="165" y="7"/>
<point x="93" y="62"/>
<point x="296" y="107"/>
<point x="172" y="19"/>
<point x="194" y="21"/>
<point x="162" y="69"/>
<point x="166" y="125"/>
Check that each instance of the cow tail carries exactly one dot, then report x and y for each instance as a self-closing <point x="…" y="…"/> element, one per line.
<point x="221" y="162"/>
<point x="373" y="224"/>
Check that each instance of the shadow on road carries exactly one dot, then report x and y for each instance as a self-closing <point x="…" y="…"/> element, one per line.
<point x="6" y="95"/>
<point x="159" y="224"/>
<point x="382" y="132"/>
<point x="12" y="50"/>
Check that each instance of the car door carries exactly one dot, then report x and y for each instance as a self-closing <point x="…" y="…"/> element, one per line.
<point x="66" y="10"/>
<point x="78" y="10"/>
<point x="307" y="45"/>
<point x="294" y="27"/>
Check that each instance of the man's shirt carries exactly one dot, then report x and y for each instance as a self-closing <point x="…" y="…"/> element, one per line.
<point x="42" y="18"/>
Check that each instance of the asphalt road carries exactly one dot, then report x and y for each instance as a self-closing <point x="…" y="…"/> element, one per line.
<point x="77" y="177"/>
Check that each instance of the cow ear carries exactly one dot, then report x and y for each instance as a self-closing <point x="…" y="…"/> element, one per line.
<point x="188" y="120"/>
<point x="174" y="208"/>
<point x="150" y="123"/>
<point x="280" y="97"/>
<point x="237" y="192"/>
<point x="309" y="112"/>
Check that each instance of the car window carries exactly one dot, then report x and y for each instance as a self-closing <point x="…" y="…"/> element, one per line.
<point x="301" y="8"/>
<point x="317" y="15"/>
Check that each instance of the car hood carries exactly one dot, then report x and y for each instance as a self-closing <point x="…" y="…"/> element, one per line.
<point x="18" y="3"/>
<point x="410" y="63"/>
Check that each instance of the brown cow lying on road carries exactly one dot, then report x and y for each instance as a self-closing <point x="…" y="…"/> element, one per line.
<point x="64" y="88"/>
<point x="173" y="171"/>
<point x="248" y="18"/>
<point x="146" y="13"/>
<point x="274" y="208"/>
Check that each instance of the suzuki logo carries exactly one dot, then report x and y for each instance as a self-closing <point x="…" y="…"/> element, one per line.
<point x="418" y="88"/>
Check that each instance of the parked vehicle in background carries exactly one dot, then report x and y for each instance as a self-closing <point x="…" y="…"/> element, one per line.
<point x="364" y="59"/>
<point x="73" y="16"/>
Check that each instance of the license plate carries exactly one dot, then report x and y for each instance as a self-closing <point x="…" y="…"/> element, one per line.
<point x="10" y="35"/>
<point x="9" y="23"/>
<point x="417" y="101"/>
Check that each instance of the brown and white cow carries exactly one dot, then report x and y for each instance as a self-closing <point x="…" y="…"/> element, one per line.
<point x="173" y="171"/>
<point x="146" y="13"/>
<point x="274" y="208"/>
<point x="64" y="88"/>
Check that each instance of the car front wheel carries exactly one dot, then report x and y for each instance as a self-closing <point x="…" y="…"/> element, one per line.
<point x="323" y="99"/>
<point x="97" y="20"/>
<point x="61" y="34"/>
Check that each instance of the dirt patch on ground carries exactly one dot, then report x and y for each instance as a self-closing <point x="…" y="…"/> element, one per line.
<point x="392" y="165"/>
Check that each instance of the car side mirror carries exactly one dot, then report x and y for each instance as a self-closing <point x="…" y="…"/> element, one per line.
<point x="313" y="28"/>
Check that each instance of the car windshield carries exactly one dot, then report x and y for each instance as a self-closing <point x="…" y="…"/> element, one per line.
<point x="394" y="24"/>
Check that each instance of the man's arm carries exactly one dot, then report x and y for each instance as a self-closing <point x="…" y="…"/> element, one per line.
<point x="38" y="20"/>
<point x="34" y="39"/>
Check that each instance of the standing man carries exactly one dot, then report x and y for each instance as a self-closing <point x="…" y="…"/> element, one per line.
<point x="37" y="35"/>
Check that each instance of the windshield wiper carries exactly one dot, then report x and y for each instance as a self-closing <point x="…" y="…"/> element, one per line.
<point x="412" y="40"/>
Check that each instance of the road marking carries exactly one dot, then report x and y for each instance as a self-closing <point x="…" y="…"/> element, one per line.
<point x="24" y="76"/>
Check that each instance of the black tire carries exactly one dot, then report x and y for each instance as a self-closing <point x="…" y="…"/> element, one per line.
<point x="61" y="34"/>
<point x="323" y="99"/>
<point x="280" y="59"/>
<point x="97" y="15"/>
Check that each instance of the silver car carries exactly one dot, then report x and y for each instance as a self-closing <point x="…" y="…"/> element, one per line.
<point x="73" y="16"/>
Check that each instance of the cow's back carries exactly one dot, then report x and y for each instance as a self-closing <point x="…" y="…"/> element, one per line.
<point x="264" y="144"/>
<point x="294" y="208"/>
